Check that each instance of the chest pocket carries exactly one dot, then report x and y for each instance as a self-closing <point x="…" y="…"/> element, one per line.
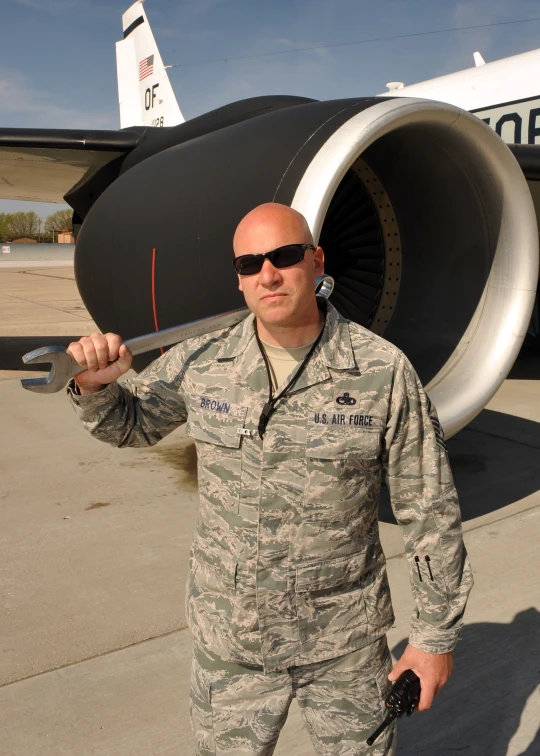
<point x="343" y="470"/>
<point x="219" y="460"/>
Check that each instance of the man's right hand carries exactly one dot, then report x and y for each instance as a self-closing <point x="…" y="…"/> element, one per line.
<point x="105" y="358"/>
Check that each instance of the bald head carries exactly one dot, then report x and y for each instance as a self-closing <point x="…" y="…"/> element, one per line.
<point x="270" y="226"/>
<point x="282" y="298"/>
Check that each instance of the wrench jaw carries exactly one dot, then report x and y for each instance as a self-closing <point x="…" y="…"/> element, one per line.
<point x="324" y="286"/>
<point x="59" y="375"/>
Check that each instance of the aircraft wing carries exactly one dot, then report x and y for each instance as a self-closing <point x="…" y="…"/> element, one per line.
<point x="43" y="165"/>
<point x="528" y="157"/>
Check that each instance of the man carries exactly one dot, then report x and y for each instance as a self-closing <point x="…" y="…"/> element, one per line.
<point x="296" y="413"/>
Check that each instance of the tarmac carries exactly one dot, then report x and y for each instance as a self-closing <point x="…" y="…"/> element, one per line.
<point x="94" y="541"/>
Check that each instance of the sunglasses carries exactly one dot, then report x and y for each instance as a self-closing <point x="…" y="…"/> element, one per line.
<point x="282" y="257"/>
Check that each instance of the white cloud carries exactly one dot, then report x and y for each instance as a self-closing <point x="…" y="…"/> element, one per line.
<point x="493" y="42"/>
<point x="203" y="6"/>
<point x="466" y="14"/>
<point x="302" y="44"/>
<point x="52" y="6"/>
<point x="195" y="35"/>
<point x="39" y="108"/>
<point x="178" y="15"/>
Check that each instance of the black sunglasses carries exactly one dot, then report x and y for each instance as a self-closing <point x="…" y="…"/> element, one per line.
<point x="282" y="257"/>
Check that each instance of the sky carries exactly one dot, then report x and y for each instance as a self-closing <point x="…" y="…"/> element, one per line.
<point x="58" y="67"/>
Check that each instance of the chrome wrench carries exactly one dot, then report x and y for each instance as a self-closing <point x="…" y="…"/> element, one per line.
<point x="64" y="367"/>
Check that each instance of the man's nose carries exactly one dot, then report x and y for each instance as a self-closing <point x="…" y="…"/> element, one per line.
<point x="269" y="274"/>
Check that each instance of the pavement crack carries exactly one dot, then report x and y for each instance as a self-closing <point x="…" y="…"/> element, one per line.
<point x="46" y="275"/>
<point x="480" y="526"/>
<point x="47" y="306"/>
<point x="92" y="658"/>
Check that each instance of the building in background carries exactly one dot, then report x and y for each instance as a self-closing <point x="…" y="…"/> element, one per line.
<point x="65" y="236"/>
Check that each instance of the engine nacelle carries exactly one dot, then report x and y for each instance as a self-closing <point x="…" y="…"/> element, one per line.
<point x="425" y="217"/>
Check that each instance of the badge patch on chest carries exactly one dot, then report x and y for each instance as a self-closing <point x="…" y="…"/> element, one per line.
<point x="347" y="399"/>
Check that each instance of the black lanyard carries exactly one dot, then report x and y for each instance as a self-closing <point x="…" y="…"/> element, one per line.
<point x="270" y="406"/>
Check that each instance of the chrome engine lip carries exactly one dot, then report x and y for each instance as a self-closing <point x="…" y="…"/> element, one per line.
<point x="489" y="346"/>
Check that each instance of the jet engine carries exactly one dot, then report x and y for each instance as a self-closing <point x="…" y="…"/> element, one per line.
<point x="424" y="215"/>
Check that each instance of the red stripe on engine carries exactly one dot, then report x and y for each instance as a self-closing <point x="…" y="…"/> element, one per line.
<point x="154" y="292"/>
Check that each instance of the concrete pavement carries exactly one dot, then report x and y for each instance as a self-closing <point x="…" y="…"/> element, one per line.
<point x="40" y="298"/>
<point x="93" y="559"/>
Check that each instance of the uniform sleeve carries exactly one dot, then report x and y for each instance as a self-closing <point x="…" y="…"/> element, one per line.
<point x="425" y="504"/>
<point x="143" y="410"/>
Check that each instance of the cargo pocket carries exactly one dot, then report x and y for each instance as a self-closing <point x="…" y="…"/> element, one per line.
<point x="384" y="685"/>
<point x="343" y="471"/>
<point x="211" y="592"/>
<point x="329" y="596"/>
<point x="219" y="459"/>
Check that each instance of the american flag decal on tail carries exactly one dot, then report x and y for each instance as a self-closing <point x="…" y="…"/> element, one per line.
<point x="146" y="67"/>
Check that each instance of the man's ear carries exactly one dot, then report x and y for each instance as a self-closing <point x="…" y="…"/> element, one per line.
<point x="318" y="261"/>
<point x="240" y="284"/>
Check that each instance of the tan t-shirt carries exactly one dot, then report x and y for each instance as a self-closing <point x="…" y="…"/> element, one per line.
<point x="284" y="360"/>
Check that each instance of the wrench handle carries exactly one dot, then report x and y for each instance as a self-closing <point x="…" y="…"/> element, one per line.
<point x="174" y="335"/>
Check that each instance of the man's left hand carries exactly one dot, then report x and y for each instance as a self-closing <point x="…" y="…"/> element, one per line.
<point x="432" y="669"/>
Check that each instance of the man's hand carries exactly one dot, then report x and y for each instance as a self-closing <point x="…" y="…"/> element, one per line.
<point x="105" y="358"/>
<point x="432" y="669"/>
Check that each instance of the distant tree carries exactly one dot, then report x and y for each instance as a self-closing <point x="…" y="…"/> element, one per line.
<point x="60" y="220"/>
<point x="22" y="224"/>
<point x="3" y="226"/>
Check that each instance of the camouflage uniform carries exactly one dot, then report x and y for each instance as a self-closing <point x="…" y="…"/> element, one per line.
<point x="286" y="566"/>
<point x="239" y="709"/>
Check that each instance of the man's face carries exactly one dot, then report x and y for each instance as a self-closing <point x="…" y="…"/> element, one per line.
<point x="279" y="296"/>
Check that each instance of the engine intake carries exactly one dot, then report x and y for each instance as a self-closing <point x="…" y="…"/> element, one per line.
<point x="424" y="215"/>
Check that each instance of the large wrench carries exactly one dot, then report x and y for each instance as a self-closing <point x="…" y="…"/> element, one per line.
<point x="64" y="367"/>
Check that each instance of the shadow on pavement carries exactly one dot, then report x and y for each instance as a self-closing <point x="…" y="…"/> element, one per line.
<point x="495" y="461"/>
<point x="12" y="349"/>
<point x="497" y="669"/>
<point x="527" y="365"/>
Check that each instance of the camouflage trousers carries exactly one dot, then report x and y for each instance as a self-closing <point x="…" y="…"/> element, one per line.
<point x="238" y="709"/>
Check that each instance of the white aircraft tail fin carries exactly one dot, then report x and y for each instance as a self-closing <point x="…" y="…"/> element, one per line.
<point x="144" y="91"/>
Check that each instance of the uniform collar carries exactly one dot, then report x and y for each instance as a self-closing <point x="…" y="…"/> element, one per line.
<point x="335" y="349"/>
<point x="237" y="341"/>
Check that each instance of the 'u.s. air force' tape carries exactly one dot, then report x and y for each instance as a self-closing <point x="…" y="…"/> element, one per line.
<point x="346" y="420"/>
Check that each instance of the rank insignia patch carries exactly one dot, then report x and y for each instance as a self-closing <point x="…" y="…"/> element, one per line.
<point x="437" y="427"/>
<point x="439" y="433"/>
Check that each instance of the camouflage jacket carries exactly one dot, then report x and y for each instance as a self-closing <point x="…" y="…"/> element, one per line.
<point x="286" y="565"/>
